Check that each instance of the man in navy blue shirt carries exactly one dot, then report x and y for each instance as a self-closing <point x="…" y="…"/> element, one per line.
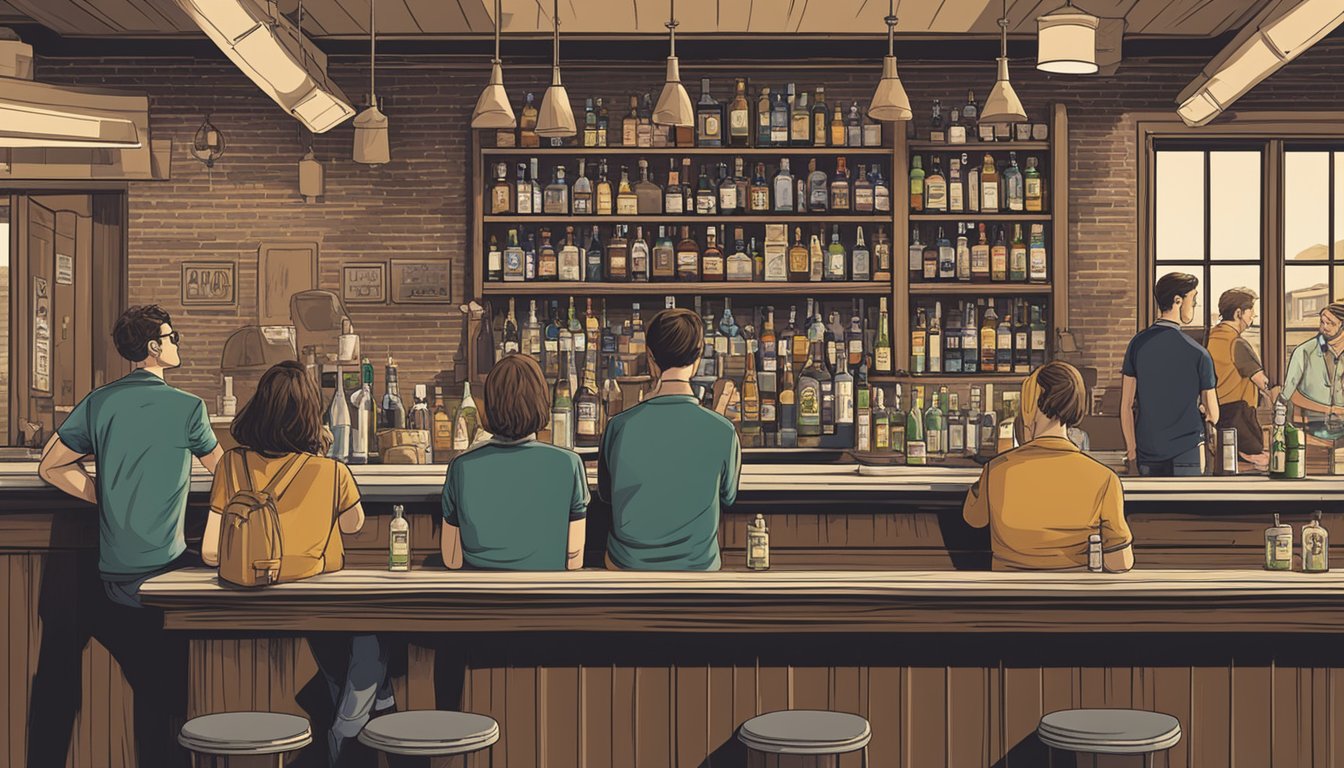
<point x="1171" y="375"/>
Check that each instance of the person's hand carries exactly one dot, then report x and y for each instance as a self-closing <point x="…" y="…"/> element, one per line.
<point x="1274" y="392"/>
<point x="723" y="396"/>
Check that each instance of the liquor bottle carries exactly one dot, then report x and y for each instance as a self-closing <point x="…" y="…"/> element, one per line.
<point x="1033" y="186"/>
<point x="818" y="196"/>
<point x="962" y="252"/>
<point x="816" y="259"/>
<point x="779" y="121"/>
<point x="708" y="118"/>
<point x="605" y="196"/>
<point x="1315" y="546"/>
<point x="562" y="409"/>
<point x="441" y="430"/>
<point x="1017" y="257"/>
<point x="989" y="340"/>
<point x="896" y="422"/>
<point x="917" y="185"/>
<point x="532" y="333"/>
<point x="569" y="261"/>
<point x="882" y="346"/>
<point x="952" y="339"/>
<point x="639" y="257"/>
<point x="881" y="255"/>
<point x="582" y="193"/>
<point x="931" y="260"/>
<point x="854" y="126"/>
<point x="618" y="256"/>
<point x="988" y="439"/>
<point x="740" y="266"/>
<point x="837" y="132"/>
<point x="1021" y="340"/>
<point x="916" y="261"/>
<point x="836" y="258"/>
<point x="627" y="203"/>
<point x="548" y="261"/>
<point x="845" y="412"/>
<point x="555" y="198"/>
<point x="522" y="193"/>
<point x="935" y="188"/>
<point x="739" y="116"/>
<point x="800" y="121"/>
<point x="980" y="258"/>
<point x="706" y="194"/>
<point x="759" y="191"/>
<point x="788" y="408"/>
<point x="630" y="124"/>
<point x="972" y="437"/>
<point x="419" y="418"/>
<point x="947" y="258"/>
<point x="860" y="260"/>
<point x="916" y="448"/>
<point x="956" y="129"/>
<point x="512" y="266"/>
<point x="637" y="345"/>
<point x="589" y="124"/>
<point x="728" y="201"/>
<point x="1003" y="335"/>
<point x="881" y="422"/>
<point x="535" y="183"/>
<point x="956" y="186"/>
<point x="512" y="340"/>
<point x="800" y="345"/>
<point x="970" y="112"/>
<point x="919" y="339"/>
<point x="527" y="124"/>
<point x="588" y="413"/>
<point x="648" y="195"/>
<point x="394" y="413"/>
<point x="1013" y="193"/>
<point x="998" y="258"/>
<point x="863" y="191"/>
<point x="934" y="340"/>
<point x="1277" y="448"/>
<point x="798" y="258"/>
<point x="688" y="256"/>
<point x="593" y="260"/>
<point x="674" y="198"/>
<point x="751" y="406"/>
<point x="501" y="192"/>
<point x="399" y="536"/>
<point x="712" y="267"/>
<point x="809" y="403"/>
<point x="763" y="109"/>
<point x="783" y="183"/>
<point x="970" y="341"/>
<point x="937" y="125"/>
<point x="972" y="174"/>
<point x="644" y="132"/>
<point x="956" y="428"/>
<point x="494" y="262"/>
<point x="1037" y="259"/>
<point x="338" y="420"/>
<point x="989" y="186"/>
<point x="550" y="344"/>
<point x="1279" y="546"/>
<point x="1037" y="338"/>
<point x="881" y="190"/>
<point x="820" y="117"/>
<point x="841" y="194"/>
<point x="935" y="426"/>
<point x="592" y="332"/>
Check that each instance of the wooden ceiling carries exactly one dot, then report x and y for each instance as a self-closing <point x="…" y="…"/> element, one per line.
<point x="441" y="18"/>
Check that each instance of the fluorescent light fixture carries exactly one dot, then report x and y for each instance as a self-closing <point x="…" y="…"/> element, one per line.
<point x="1066" y="41"/>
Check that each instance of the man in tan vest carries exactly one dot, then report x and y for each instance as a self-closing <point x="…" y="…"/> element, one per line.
<point x="1241" y="377"/>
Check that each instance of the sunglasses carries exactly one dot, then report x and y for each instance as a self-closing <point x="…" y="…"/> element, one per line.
<point x="175" y="336"/>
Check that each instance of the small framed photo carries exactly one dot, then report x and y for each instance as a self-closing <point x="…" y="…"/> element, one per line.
<point x="209" y="283"/>
<point x="364" y="283"/>
<point x="421" y="282"/>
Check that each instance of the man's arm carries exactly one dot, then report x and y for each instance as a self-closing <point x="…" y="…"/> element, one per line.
<point x="61" y="468"/>
<point x="211" y="459"/>
<point x="578" y="534"/>
<point x="450" y="546"/>
<point x="1128" y="386"/>
<point x="1118" y="561"/>
<point x="1210" y="399"/>
<point x="352" y="519"/>
<point x="210" y="541"/>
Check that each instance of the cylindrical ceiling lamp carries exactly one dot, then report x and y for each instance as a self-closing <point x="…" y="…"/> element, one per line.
<point x="312" y="177"/>
<point x="674" y="104"/>
<point x="556" y="119"/>
<point x="890" y="102"/>
<point x="371" y="143"/>
<point x="492" y="108"/>
<point x="1002" y="105"/>
<point x="1066" y="41"/>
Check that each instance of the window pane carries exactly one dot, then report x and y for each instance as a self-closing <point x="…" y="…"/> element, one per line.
<point x="1306" y="201"/>
<point x="1295" y="338"/>
<point x="1222" y="278"/>
<point x="1180" y="205"/>
<point x="1304" y="295"/>
<point x="5" y="437"/>
<point x="1234" y="206"/>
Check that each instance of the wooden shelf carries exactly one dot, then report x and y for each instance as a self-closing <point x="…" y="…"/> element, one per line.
<point x="683" y="289"/>
<point x="965" y="378"/>
<point x="756" y="218"/>
<point x="981" y="146"/>
<point x="978" y="289"/>
<point x="670" y="151"/>
<point x="976" y="216"/>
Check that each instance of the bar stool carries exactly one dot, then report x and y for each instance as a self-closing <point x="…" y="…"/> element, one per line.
<point x="244" y="739"/>
<point x="431" y="734"/>
<point x="818" y="737"/>
<point x="1109" y="732"/>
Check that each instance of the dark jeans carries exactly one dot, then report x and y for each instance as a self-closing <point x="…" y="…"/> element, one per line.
<point x="355" y="668"/>
<point x="77" y="605"/>
<point x="1185" y="464"/>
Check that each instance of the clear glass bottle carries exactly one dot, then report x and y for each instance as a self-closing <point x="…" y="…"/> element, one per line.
<point x="399" y="541"/>
<point x="1315" y="546"/>
<point x="555" y="199"/>
<point x="1279" y="546"/>
<point x="758" y="545"/>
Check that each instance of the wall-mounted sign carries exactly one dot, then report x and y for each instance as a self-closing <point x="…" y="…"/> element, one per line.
<point x="364" y="283"/>
<point x="421" y="282"/>
<point x="41" y="335"/>
<point x="65" y="269"/>
<point x="206" y="283"/>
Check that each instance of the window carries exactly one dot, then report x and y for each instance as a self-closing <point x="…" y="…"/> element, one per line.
<point x="5" y="437"/>
<point x="1313" y="225"/>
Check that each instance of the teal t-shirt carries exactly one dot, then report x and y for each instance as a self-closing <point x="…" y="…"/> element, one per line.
<point x="667" y="466"/>
<point x="142" y="433"/>
<point x="513" y="502"/>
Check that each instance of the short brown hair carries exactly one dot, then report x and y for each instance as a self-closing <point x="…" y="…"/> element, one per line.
<point x="1172" y="285"/>
<point x="1236" y="300"/>
<point x="136" y="327"/>
<point x="285" y="415"/>
<point x="675" y="338"/>
<point x="516" y="401"/>
<point x="1061" y="393"/>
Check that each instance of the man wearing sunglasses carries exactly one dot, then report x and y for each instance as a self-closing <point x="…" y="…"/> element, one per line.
<point x="143" y="434"/>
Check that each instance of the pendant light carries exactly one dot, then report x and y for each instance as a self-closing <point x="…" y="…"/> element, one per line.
<point x="674" y="104"/>
<point x="1066" y="41"/>
<point x="492" y="108"/>
<point x="371" y="125"/>
<point x="556" y="119"/>
<point x="890" y="102"/>
<point x="1003" y="106"/>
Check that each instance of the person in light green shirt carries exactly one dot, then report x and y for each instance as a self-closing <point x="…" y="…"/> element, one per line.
<point x="512" y="503"/>
<point x="669" y="466"/>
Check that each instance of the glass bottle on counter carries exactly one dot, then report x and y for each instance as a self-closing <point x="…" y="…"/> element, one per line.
<point x="394" y="412"/>
<point x="362" y="437"/>
<point x="419" y="418"/>
<point x="758" y="545"/>
<point x="1315" y="546"/>
<point x="338" y="420"/>
<point x="467" y="422"/>
<point x="1277" y="450"/>
<point x="562" y="409"/>
<point x="588" y="413"/>
<point x="441" y="431"/>
<point x="1279" y="546"/>
<point x="399" y="541"/>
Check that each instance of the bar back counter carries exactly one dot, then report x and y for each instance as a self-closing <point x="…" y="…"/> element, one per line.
<point x="879" y="602"/>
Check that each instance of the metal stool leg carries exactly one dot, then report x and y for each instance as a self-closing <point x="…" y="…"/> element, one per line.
<point x="863" y="760"/>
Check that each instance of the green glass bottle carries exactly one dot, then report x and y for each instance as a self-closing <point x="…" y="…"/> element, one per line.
<point x="916" y="450"/>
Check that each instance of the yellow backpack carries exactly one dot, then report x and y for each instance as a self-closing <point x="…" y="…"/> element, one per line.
<point x="250" y="546"/>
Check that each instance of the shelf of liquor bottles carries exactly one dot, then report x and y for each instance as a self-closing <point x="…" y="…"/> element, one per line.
<point x="542" y="288"/>
<point x="983" y="289"/>
<point x="975" y="216"/>
<point x="1007" y="379"/>
<point x="755" y="152"/>
<point x="806" y="220"/>
<point x="942" y="147"/>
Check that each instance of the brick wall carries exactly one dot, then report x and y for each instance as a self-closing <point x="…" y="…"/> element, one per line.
<point x="417" y="206"/>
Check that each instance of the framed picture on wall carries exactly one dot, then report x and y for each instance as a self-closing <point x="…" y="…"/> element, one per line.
<point x="209" y="283"/>
<point x="421" y="282"/>
<point x="364" y="283"/>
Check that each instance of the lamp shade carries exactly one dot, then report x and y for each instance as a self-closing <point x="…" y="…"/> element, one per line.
<point x="312" y="177"/>
<point x="890" y="102"/>
<point x="1002" y="105"/>
<point x="1066" y="42"/>
<point x="556" y="119"/>
<point x="674" y="104"/>
<point x="371" y="146"/>
<point x="492" y="108"/>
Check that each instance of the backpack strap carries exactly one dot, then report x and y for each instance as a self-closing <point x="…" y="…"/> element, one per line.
<point x="280" y="483"/>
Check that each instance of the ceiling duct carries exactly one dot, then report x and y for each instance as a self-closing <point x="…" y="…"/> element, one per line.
<point x="275" y="55"/>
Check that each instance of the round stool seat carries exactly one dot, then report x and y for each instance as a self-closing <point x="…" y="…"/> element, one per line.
<point x="805" y="732"/>
<point x="1109" y="731"/>
<point x="430" y="732"/>
<point x="245" y="733"/>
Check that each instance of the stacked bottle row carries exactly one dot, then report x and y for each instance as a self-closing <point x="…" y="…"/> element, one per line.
<point x="1008" y="336"/>
<point x="783" y="117"/>
<point x="973" y="258"/>
<point x="983" y="188"/>
<point x="634" y="254"/>
<point x="719" y="188"/>
<point x="938" y="427"/>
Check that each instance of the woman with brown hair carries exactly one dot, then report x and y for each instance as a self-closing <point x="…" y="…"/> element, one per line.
<point x="512" y="503"/>
<point x="280" y="435"/>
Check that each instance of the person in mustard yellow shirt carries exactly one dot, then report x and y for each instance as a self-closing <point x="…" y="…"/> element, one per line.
<point x="1043" y="499"/>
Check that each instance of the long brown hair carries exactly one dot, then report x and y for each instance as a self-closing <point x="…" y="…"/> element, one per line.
<point x="284" y="416"/>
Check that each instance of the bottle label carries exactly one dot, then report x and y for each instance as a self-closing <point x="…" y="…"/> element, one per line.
<point x="916" y="452"/>
<point x="727" y="198"/>
<point x="562" y="435"/>
<point x="934" y="441"/>
<point x="768" y="412"/>
<point x="712" y="265"/>
<point x="990" y="196"/>
<point x="844" y="402"/>
<point x="883" y="359"/>
<point x="673" y="203"/>
<point x="739" y="122"/>
<point x="760" y="198"/>
<point x="809" y="405"/>
<point x="956" y="200"/>
<point x="936" y="196"/>
<point x="587" y="421"/>
<point x="881" y="199"/>
<point x="863" y="435"/>
<point x="627" y="205"/>
<point x="1033" y="187"/>
<point x="863" y="199"/>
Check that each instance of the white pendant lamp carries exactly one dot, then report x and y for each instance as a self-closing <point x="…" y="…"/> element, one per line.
<point x="674" y="104"/>
<point x="1002" y="105"/>
<point x="556" y="119"/>
<point x="890" y="102"/>
<point x="371" y="146"/>
<point x="1066" y="41"/>
<point x="492" y="108"/>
